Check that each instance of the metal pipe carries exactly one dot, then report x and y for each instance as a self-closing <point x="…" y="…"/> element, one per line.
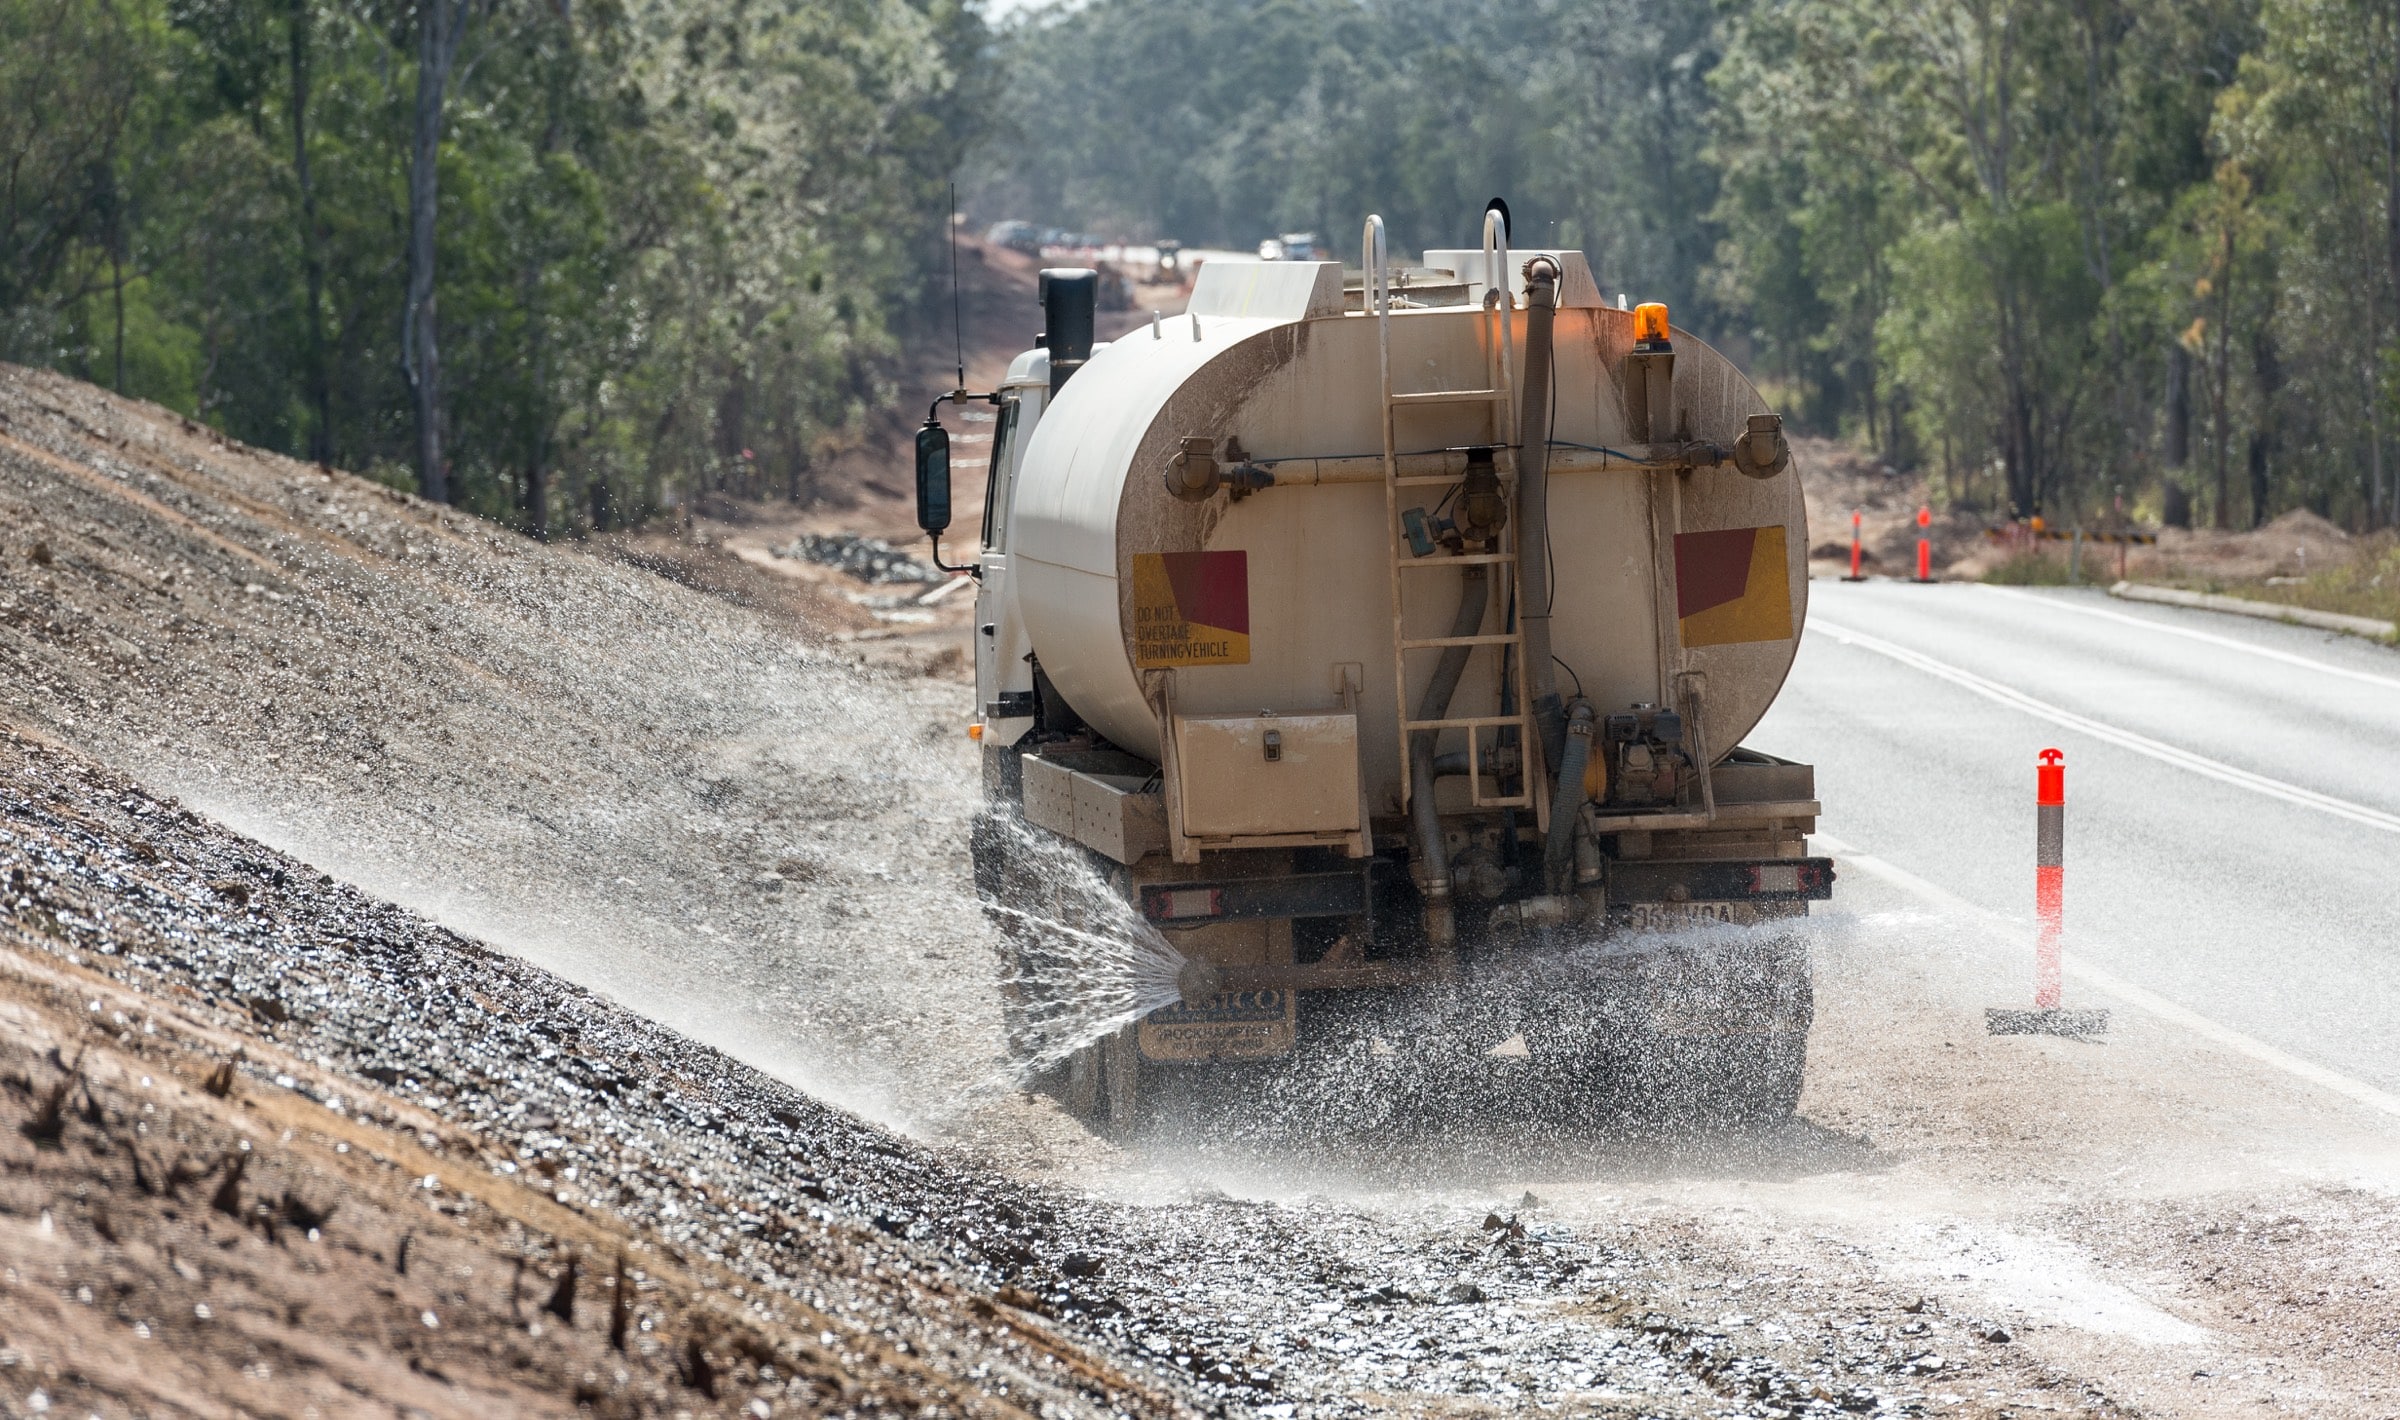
<point x="1432" y="866"/>
<point x="1304" y="471"/>
<point x="1201" y="981"/>
<point x="1566" y="805"/>
<point x="1533" y="510"/>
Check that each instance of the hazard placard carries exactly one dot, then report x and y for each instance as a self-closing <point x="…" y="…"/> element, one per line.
<point x="1732" y="586"/>
<point x="1191" y="609"/>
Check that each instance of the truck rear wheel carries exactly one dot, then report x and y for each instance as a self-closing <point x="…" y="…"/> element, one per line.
<point x="1102" y="1085"/>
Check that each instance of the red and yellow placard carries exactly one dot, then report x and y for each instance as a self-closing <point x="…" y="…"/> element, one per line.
<point x="1732" y="585"/>
<point x="1191" y="609"/>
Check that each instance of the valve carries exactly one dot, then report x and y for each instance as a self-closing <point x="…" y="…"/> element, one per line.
<point x="1192" y="473"/>
<point x="1763" y="451"/>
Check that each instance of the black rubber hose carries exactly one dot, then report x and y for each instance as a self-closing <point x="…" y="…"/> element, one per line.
<point x="1533" y="507"/>
<point x="1433" y="856"/>
<point x="1566" y="805"/>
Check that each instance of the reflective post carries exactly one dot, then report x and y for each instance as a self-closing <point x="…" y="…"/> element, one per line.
<point x="2049" y="875"/>
<point x="2048" y="1017"/>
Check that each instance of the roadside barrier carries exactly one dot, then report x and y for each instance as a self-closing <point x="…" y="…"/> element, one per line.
<point x="2049" y="909"/>
<point x="2023" y="537"/>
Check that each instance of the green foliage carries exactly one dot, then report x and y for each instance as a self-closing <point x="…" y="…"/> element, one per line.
<point x="2088" y="230"/>
<point x="677" y="244"/>
<point x="1225" y="121"/>
<point x="2065" y="251"/>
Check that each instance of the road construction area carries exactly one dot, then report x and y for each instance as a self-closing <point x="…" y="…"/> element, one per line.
<point x="453" y="975"/>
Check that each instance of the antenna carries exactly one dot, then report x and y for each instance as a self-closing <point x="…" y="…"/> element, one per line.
<point x="958" y="325"/>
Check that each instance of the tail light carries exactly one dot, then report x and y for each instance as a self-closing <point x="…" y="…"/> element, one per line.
<point x="1786" y="879"/>
<point x="1161" y="903"/>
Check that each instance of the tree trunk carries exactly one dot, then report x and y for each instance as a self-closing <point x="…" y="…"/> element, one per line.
<point x="2176" y="494"/>
<point x="312" y="253"/>
<point x="2017" y="450"/>
<point x="2379" y="505"/>
<point x="440" y="26"/>
<point x="537" y="496"/>
<point x="2221" y="416"/>
<point x="2390" y="49"/>
<point x="2267" y="369"/>
<point x="116" y="281"/>
<point x="2179" y="406"/>
<point x="2017" y="447"/>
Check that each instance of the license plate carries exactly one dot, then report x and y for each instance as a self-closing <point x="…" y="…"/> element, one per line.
<point x="1649" y="917"/>
<point x="1238" y="1025"/>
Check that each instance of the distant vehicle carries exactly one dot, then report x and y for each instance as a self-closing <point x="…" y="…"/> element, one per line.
<point x="1016" y="236"/>
<point x="1303" y="246"/>
<point x="1270" y="250"/>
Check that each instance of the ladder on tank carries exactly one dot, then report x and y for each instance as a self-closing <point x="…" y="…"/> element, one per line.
<point x="1496" y="395"/>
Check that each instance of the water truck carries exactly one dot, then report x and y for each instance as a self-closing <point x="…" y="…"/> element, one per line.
<point x="1360" y="633"/>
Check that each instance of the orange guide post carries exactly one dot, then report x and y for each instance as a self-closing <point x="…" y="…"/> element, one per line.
<point x="2049" y="875"/>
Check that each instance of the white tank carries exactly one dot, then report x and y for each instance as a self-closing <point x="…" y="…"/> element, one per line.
<point x="1270" y="356"/>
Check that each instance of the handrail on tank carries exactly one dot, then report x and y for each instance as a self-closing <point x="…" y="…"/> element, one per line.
<point x="1377" y="259"/>
<point x="1495" y="260"/>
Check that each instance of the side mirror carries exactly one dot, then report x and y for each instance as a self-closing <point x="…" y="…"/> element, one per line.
<point x="933" y="476"/>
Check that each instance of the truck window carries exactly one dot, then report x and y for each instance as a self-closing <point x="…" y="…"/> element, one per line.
<point x="994" y="475"/>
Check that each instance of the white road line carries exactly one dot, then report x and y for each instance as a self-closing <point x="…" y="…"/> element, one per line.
<point x="2233" y="643"/>
<point x="2123" y="739"/>
<point x="2017" y="934"/>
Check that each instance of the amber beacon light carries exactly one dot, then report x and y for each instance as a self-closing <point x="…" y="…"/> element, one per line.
<point x="1650" y="323"/>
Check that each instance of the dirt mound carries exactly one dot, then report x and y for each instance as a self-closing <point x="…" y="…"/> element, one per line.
<point x="2294" y="545"/>
<point x="1838" y="479"/>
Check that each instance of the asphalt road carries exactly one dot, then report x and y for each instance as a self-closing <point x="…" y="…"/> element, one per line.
<point x="2233" y="788"/>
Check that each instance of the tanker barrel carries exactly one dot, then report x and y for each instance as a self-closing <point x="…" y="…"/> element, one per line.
<point x="1070" y="295"/>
